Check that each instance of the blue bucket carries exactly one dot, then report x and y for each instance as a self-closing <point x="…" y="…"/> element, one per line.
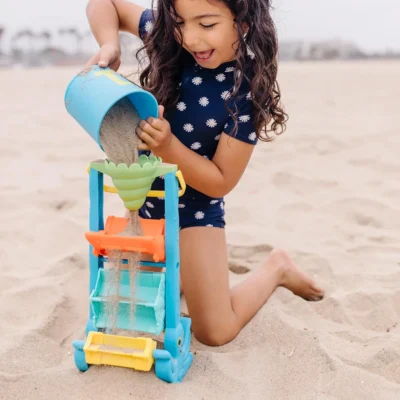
<point x="91" y="94"/>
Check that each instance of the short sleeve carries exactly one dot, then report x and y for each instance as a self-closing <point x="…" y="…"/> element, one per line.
<point x="246" y="130"/>
<point x="146" y="23"/>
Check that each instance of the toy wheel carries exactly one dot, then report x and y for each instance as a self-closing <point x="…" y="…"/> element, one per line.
<point x="80" y="361"/>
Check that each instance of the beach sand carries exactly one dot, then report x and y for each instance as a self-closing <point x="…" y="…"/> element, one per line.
<point x="327" y="190"/>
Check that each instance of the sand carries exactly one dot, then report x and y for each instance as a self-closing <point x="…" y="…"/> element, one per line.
<point x="118" y="133"/>
<point x="120" y="143"/>
<point x="327" y="191"/>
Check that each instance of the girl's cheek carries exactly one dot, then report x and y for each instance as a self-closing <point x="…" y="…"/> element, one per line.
<point x="177" y="36"/>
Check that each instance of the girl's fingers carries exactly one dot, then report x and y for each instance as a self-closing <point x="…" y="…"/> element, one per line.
<point x="143" y="146"/>
<point x="115" y="64"/>
<point x="155" y="123"/>
<point x="149" y="129"/>
<point x="145" y="137"/>
<point x="93" y="61"/>
<point x="161" y="112"/>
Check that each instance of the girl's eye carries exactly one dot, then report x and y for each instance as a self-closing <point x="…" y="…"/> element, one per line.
<point x="180" y="23"/>
<point x="208" y="26"/>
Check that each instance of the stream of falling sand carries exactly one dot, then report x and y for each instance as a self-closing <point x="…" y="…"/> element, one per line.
<point x="120" y="143"/>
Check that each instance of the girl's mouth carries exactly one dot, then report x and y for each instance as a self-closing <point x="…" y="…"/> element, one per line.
<point x="203" y="55"/>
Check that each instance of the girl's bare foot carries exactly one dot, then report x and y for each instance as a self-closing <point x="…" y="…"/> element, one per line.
<point x="293" y="279"/>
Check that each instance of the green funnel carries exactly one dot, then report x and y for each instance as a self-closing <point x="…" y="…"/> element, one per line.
<point x="134" y="182"/>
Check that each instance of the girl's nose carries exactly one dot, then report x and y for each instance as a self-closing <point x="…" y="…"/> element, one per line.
<point x="190" y="39"/>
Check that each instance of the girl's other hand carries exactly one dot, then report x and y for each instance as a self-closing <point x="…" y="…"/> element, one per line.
<point x="109" y="55"/>
<point x="155" y="133"/>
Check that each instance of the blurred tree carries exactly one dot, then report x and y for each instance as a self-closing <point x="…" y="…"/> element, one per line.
<point x="76" y="35"/>
<point x="31" y="37"/>
<point x="16" y="38"/>
<point x="13" y="42"/>
<point x="46" y="36"/>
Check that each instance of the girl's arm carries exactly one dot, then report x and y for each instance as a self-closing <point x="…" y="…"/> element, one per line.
<point x="106" y="18"/>
<point x="216" y="177"/>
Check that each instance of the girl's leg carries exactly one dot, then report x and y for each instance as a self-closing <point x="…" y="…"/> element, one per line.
<point x="218" y="314"/>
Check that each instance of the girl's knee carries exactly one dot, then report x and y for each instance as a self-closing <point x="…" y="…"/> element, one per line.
<point x="215" y="335"/>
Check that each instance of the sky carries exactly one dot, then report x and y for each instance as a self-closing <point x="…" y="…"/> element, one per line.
<point x="372" y="24"/>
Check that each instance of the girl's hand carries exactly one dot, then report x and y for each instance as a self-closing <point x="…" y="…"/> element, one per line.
<point x="155" y="133"/>
<point x="109" y="55"/>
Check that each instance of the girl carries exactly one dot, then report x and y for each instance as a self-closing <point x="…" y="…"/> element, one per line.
<point x="212" y="67"/>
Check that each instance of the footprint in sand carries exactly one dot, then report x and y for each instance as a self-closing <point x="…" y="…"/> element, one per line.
<point x="332" y="309"/>
<point x="296" y="207"/>
<point x="364" y="212"/>
<point x="389" y="169"/>
<point x="314" y="144"/>
<point x="383" y="239"/>
<point x="62" y="322"/>
<point x="238" y="268"/>
<point x="242" y="258"/>
<point x="387" y="253"/>
<point x="300" y="185"/>
<point x="68" y="264"/>
<point x="372" y="310"/>
<point x="249" y="254"/>
<point x="395" y="194"/>
<point x="9" y="153"/>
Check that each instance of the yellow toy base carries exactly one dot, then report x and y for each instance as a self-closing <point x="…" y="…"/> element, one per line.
<point x="119" y="351"/>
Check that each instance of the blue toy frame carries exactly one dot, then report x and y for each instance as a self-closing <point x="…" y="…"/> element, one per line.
<point x="173" y="362"/>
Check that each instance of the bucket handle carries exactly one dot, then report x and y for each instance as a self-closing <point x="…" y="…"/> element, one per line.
<point x="153" y="193"/>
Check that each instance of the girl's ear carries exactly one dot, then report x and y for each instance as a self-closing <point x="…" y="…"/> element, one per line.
<point x="245" y="29"/>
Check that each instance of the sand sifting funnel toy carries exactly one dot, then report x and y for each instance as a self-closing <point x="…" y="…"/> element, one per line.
<point x="88" y="98"/>
<point x="133" y="183"/>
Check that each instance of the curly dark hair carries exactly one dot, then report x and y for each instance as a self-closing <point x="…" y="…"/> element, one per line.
<point x="164" y="53"/>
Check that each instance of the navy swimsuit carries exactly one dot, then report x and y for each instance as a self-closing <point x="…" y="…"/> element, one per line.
<point x="198" y="120"/>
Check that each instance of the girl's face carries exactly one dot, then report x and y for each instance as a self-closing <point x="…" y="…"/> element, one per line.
<point x="208" y="31"/>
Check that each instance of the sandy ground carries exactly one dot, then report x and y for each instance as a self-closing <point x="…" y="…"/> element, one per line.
<point x="327" y="191"/>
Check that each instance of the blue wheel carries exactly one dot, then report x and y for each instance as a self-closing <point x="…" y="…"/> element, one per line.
<point x="79" y="356"/>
